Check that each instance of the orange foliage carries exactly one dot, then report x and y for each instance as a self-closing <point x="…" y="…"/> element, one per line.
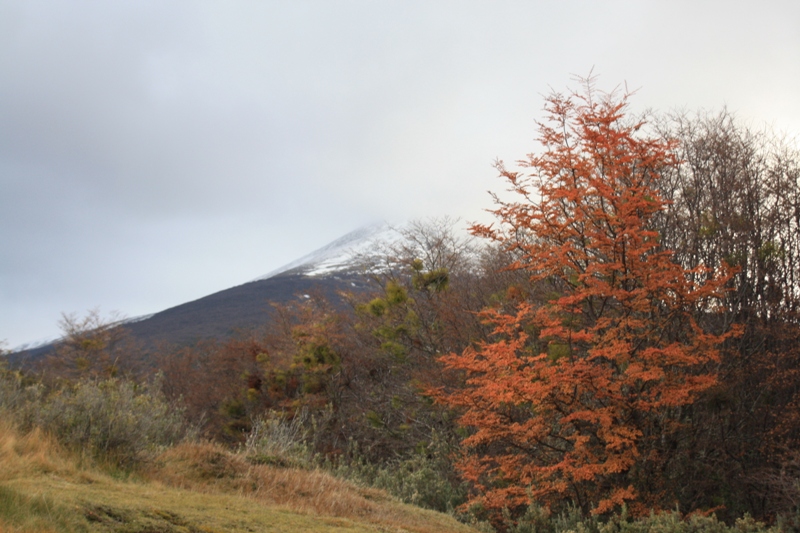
<point x="574" y="394"/>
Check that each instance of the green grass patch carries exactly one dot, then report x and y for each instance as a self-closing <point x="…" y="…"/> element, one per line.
<point x="111" y="506"/>
<point x="36" y="513"/>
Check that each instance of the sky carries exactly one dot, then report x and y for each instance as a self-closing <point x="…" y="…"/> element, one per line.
<point x="154" y="152"/>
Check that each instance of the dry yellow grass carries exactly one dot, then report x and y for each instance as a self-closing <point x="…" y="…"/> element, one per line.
<point x="30" y="453"/>
<point x="192" y="488"/>
<point x="209" y="468"/>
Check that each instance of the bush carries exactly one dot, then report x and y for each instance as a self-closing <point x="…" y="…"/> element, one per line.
<point x="114" y="420"/>
<point x="418" y="480"/>
<point x="425" y="478"/>
<point x="538" y="519"/>
<point x="278" y="440"/>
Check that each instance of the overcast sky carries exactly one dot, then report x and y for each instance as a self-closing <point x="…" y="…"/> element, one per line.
<point x="154" y="152"/>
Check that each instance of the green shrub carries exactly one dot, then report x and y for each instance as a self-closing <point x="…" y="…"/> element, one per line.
<point x="418" y="480"/>
<point x="539" y="520"/>
<point x="425" y="478"/>
<point x="118" y="421"/>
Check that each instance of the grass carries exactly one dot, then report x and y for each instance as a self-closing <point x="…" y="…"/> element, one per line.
<point x="191" y="488"/>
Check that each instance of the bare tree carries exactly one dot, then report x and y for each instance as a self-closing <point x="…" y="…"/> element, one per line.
<point x="94" y="346"/>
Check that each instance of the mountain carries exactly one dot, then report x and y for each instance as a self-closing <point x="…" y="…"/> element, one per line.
<point x="342" y="255"/>
<point x="328" y="270"/>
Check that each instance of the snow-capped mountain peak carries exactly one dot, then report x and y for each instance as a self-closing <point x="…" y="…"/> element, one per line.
<point x="341" y="254"/>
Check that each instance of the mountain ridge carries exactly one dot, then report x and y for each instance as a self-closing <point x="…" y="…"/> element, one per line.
<point x="339" y="254"/>
<point x="328" y="270"/>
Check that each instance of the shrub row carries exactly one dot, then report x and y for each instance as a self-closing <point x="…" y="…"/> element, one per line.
<point x="117" y="421"/>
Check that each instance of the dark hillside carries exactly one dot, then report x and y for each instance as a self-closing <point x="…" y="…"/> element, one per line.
<point x="225" y="313"/>
<point x="219" y="316"/>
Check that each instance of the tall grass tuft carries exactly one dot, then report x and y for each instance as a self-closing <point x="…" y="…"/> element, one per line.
<point x="279" y="440"/>
<point x="35" y="514"/>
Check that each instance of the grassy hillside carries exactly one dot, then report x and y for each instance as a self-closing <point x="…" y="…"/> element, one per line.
<point x="190" y="488"/>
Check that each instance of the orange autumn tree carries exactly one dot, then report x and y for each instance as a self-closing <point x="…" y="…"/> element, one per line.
<point x="584" y="378"/>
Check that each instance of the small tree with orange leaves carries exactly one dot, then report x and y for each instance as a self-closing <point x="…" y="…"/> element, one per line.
<point x="573" y="398"/>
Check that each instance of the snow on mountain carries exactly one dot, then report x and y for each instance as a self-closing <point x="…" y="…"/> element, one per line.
<point x="32" y="345"/>
<point x="246" y="305"/>
<point x="344" y="253"/>
<point x="376" y="248"/>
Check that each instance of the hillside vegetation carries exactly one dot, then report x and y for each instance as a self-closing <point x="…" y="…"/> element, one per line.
<point x="203" y="488"/>
<point x="189" y="488"/>
<point x="619" y="351"/>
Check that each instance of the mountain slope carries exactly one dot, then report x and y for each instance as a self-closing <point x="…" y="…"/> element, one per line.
<point x="343" y="254"/>
<point x="328" y="270"/>
<point x="224" y="313"/>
